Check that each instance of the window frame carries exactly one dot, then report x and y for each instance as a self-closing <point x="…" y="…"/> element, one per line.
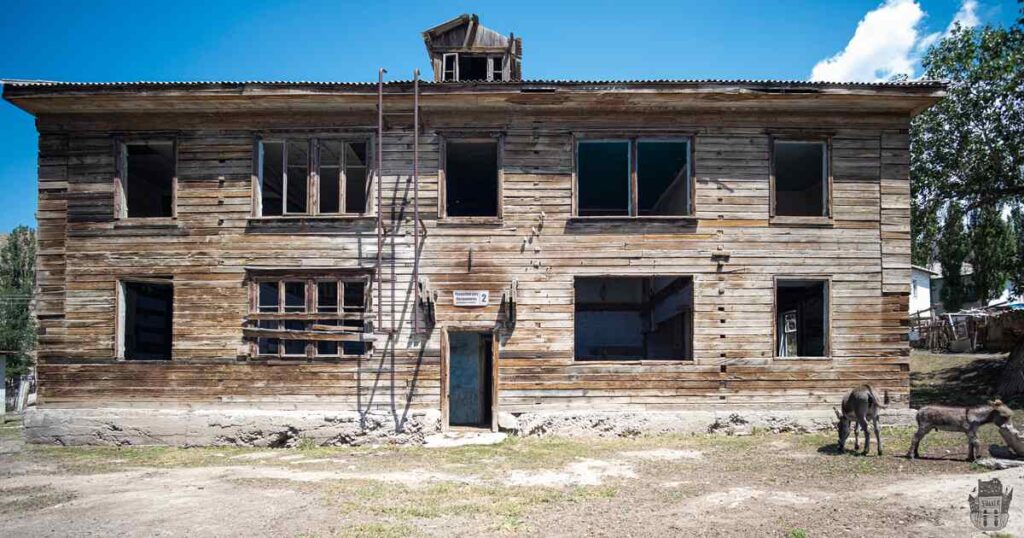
<point x="309" y="314"/>
<point x="826" y="141"/>
<point x="634" y="139"/>
<point x="454" y="58"/>
<point x="442" y="173"/>
<point x="121" y="144"/>
<point x="120" y="312"/>
<point x="827" y="279"/>
<point x="312" y="175"/>
<point x="691" y="333"/>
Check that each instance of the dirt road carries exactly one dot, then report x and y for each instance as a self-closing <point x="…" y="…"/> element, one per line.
<point x="763" y="485"/>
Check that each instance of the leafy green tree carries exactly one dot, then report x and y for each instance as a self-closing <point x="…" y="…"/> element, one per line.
<point x="992" y="252"/>
<point x="969" y="147"/>
<point x="1017" y="266"/>
<point x="953" y="251"/>
<point x="17" y="281"/>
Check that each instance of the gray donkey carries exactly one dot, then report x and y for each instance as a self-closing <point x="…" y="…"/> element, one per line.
<point x="859" y="406"/>
<point x="959" y="419"/>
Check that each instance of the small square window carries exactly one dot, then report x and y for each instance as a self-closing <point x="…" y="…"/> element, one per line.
<point x="801" y="178"/>
<point x="148" y="186"/>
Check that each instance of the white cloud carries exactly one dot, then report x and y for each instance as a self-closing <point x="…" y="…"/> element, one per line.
<point x="889" y="41"/>
<point x="967" y="16"/>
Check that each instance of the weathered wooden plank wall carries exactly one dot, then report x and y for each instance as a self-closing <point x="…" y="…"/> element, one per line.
<point x="83" y="251"/>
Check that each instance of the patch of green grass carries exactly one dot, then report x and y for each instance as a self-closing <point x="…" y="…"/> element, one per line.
<point x="378" y="530"/>
<point x="21" y="500"/>
<point x="796" y="533"/>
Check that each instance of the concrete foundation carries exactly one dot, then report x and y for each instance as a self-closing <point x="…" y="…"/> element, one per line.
<point x="223" y="427"/>
<point x="284" y="428"/>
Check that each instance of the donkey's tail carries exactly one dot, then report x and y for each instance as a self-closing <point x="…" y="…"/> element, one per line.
<point x="874" y="397"/>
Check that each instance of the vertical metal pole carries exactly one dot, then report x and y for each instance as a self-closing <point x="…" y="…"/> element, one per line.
<point x="380" y="187"/>
<point x="416" y="200"/>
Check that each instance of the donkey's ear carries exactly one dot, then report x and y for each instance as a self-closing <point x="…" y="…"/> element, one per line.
<point x="838" y="414"/>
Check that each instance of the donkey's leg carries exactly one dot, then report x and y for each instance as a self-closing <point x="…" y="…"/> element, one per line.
<point x="867" y="435"/>
<point x="856" y="439"/>
<point x="973" y="446"/>
<point x="878" y="436"/>
<point x="921" y="432"/>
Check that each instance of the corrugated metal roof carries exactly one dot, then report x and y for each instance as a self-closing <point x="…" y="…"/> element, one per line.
<point x="549" y="82"/>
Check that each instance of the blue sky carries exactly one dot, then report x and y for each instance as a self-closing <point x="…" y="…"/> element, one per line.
<point x="341" y="40"/>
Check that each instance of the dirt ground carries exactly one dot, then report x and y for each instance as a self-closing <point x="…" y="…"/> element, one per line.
<point x="756" y="485"/>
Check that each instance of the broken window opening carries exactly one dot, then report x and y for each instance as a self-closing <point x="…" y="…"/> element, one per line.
<point x="606" y="170"/>
<point x="471" y="178"/>
<point x="801" y="308"/>
<point x="146" y="320"/>
<point x="473" y="67"/>
<point x="663" y="177"/>
<point x="633" y="318"/>
<point x="329" y="171"/>
<point x="356" y="174"/>
<point x="286" y="182"/>
<point x="296" y="178"/>
<point x="801" y="178"/>
<point x="148" y="186"/>
<point x="329" y="314"/>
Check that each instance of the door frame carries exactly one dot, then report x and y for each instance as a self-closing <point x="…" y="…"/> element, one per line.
<point x="446" y="372"/>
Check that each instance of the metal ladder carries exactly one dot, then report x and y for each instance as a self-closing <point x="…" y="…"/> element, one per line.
<point x="381" y="230"/>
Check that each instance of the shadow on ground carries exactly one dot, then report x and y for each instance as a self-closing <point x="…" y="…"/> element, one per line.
<point x="970" y="382"/>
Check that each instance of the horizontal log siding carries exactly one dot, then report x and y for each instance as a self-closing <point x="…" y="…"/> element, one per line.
<point x="866" y="253"/>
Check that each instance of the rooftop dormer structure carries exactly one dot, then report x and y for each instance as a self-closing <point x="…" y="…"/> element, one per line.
<point x="462" y="49"/>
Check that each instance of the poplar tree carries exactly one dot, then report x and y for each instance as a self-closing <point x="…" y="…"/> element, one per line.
<point x="17" y="281"/>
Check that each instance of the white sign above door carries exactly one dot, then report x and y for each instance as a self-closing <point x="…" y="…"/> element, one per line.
<point x="470" y="298"/>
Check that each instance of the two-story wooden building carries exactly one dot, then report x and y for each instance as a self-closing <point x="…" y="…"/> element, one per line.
<point x="231" y="262"/>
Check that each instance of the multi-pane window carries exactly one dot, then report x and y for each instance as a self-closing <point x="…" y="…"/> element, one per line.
<point x="633" y="177"/>
<point x="313" y="176"/>
<point x="468" y="67"/>
<point x="309" y="317"/>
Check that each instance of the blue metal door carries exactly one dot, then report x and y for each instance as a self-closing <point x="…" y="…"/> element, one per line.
<point x="469" y="376"/>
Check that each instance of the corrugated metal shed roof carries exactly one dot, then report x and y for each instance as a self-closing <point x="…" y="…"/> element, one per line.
<point x="549" y="82"/>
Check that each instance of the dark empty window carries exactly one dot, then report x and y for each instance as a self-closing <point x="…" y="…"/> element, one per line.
<point x="801" y="178"/>
<point x="603" y="177"/>
<point x="146" y="322"/>
<point x="663" y="177"/>
<point x="606" y="172"/>
<point x="633" y="318"/>
<point x="149" y="179"/>
<point x="296" y="179"/>
<point x="286" y="183"/>
<point x="473" y="67"/>
<point x="801" y="307"/>
<point x="471" y="178"/>
<point x="272" y="177"/>
<point x="356" y="172"/>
